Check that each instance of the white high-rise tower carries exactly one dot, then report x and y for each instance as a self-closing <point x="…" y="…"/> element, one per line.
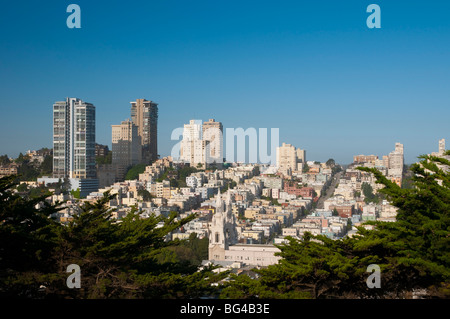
<point x="74" y="139"/>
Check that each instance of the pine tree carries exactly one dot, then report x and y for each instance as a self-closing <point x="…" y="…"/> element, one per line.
<point x="116" y="259"/>
<point x="123" y="260"/>
<point x="27" y="241"/>
<point x="416" y="247"/>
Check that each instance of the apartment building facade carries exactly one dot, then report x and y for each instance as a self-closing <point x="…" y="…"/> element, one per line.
<point x="144" y="114"/>
<point x="74" y="139"/>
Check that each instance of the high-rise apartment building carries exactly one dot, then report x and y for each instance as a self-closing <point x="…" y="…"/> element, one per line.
<point x="301" y="156"/>
<point x="192" y="147"/>
<point x="74" y="139"/>
<point x="202" y="144"/>
<point x="74" y="145"/>
<point x="399" y="147"/>
<point x="289" y="158"/>
<point x="193" y="130"/>
<point x="126" y="144"/>
<point x="144" y="114"/>
<point x="396" y="161"/>
<point x="386" y="161"/>
<point x="212" y="132"/>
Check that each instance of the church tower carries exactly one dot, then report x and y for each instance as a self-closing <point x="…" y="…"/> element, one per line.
<point x="222" y="230"/>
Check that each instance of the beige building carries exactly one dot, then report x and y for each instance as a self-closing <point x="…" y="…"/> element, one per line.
<point x="365" y="159"/>
<point x="301" y="156"/>
<point x="388" y="211"/>
<point x="162" y="189"/>
<point x="290" y="231"/>
<point x="144" y="115"/>
<point x="212" y="132"/>
<point x="441" y="153"/>
<point x="396" y="160"/>
<point x="289" y="158"/>
<point x="154" y="171"/>
<point x="126" y="144"/>
<point x="253" y="212"/>
<point x="255" y="235"/>
<point x="441" y="149"/>
<point x="9" y="169"/>
<point x="441" y="146"/>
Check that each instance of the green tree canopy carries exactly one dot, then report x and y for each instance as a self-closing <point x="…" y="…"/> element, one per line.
<point x="134" y="171"/>
<point x="146" y="196"/>
<point x="4" y="159"/>
<point x="47" y="165"/>
<point x="330" y="163"/>
<point x="117" y="260"/>
<point x="367" y="190"/>
<point x="107" y="159"/>
<point x="76" y="193"/>
<point x="26" y="240"/>
<point x="305" y="168"/>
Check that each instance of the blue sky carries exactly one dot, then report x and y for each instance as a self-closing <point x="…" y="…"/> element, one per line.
<point x="310" y="68"/>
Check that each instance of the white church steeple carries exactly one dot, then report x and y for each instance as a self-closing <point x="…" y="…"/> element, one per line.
<point x="222" y="230"/>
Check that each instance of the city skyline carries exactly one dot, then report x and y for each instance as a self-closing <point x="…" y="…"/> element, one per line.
<point x="315" y="71"/>
<point x="225" y="154"/>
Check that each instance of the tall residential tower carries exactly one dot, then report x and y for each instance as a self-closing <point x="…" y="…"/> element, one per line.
<point x="74" y="139"/>
<point x="290" y="159"/>
<point x="144" y="115"/>
<point x="212" y="132"/>
<point x="126" y="144"/>
<point x="202" y="144"/>
<point x="192" y="147"/>
<point x="74" y="144"/>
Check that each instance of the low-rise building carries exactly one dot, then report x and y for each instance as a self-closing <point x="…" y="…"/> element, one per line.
<point x="8" y="169"/>
<point x="290" y="231"/>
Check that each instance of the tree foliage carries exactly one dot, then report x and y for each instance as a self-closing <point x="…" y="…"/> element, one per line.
<point x="145" y="194"/>
<point x="134" y="171"/>
<point x="185" y="172"/>
<point x="107" y="159"/>
<point x="28" y="170"/>
<point x="369" y="196"/>
<point x="4" y="159"/>
<point x="117" y="260"/>
<point x="191" y="252"/>
<point x="26" y="240"/>
<point x="47" y="165"/>
<point x="330" y="163"/>
<point x="305" y="168"/>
